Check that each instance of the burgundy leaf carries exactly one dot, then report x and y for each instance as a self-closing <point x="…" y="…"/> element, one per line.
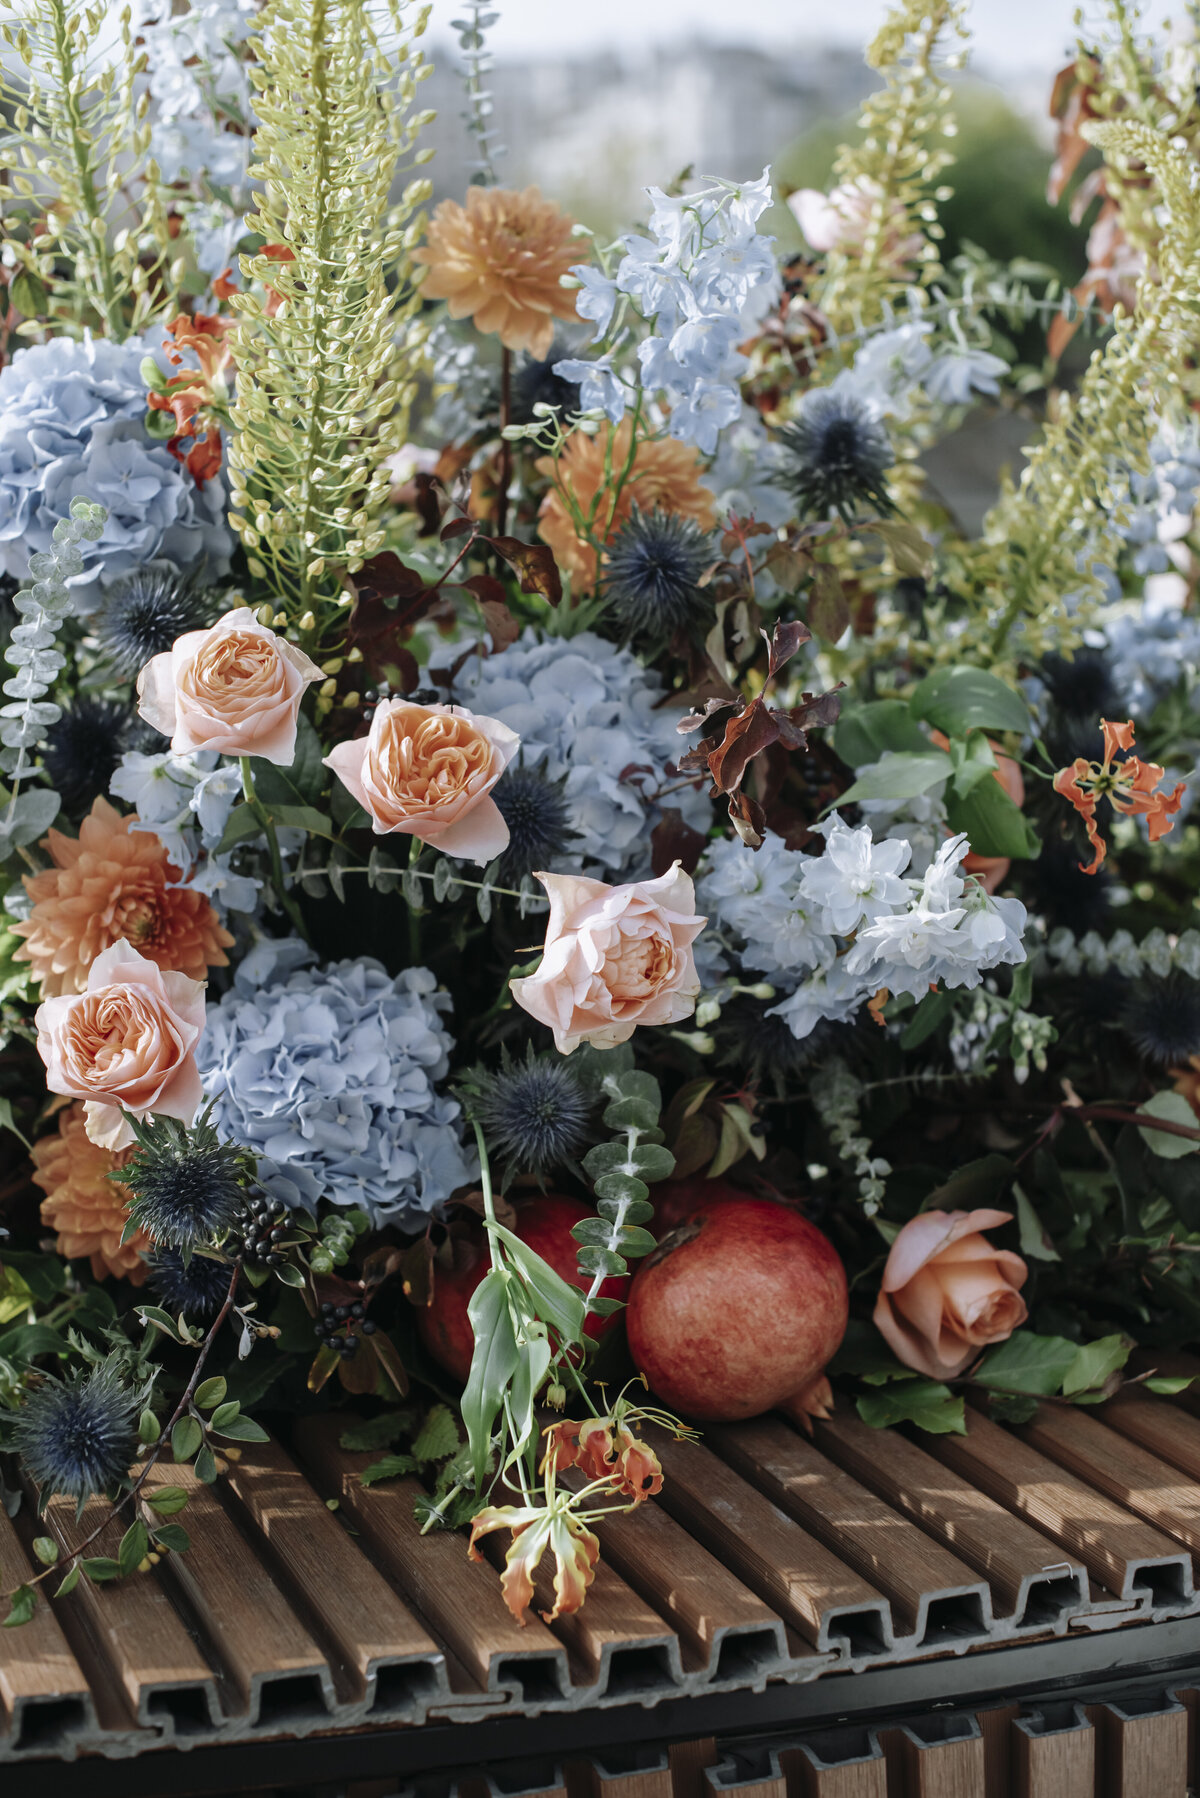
<point x="458" y="527"/>
<point x="672" y="840"/>
<point x="748" y="819"/>
<point x="786" y="639"/>
<point x="430" y="497"/>
<point x="746" y="736"/>
<point x="536" y="568"/>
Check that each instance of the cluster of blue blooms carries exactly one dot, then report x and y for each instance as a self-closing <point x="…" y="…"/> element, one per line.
<point x="72" y="427"/>
<point x="329" y="1077"/>
<point x="704" y="279"/>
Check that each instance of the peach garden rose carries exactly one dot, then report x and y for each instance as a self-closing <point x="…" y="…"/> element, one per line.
<point x="947" y="1293"/>
<point x="428" y="771"/>
<point x="128" y="1041"/>
<point x="615" y="957"/>
<point x="235" y="688"/>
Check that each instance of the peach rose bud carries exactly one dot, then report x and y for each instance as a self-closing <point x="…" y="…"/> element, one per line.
<point x="614" y="958"/>
<point x="947" y="1293"/>
<point x="128" y="1041"/>
<point x="235" y="688"/>
<point x="427" y="771"/>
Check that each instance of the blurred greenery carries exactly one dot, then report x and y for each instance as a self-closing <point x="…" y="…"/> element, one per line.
<point x="999" y="182"/>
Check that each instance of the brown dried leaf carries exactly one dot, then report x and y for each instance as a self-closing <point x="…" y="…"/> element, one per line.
<point x="672" y="840"/>
<point x="536" y="568"/>
<point x="828" y="612"/>
<point x="786" y="639"/>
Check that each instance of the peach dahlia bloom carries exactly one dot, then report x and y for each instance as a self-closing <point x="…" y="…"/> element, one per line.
<point x="498" y="260"/>
<point x="112" y="884"/>
<point x="86" y="1208"/>
<point x="665" y="475"/>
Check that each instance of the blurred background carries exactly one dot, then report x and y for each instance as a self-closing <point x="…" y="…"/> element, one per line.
<point x="596" y="98"/>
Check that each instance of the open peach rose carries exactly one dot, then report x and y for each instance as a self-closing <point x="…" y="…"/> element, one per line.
<point x="947" y="1293"/>
<point x="615" y="957"/>
<point x="235" y="688"/>
<point x="428" y="771"/>
<point x="128" y="1041"/>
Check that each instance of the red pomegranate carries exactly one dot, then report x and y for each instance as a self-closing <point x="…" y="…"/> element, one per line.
<point x="545" y="1224"/>
<point x="738" y="1310"/>
<point x="675" y="1200"/>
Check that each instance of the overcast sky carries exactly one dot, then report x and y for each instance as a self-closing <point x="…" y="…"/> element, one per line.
<point x="1009" y="35"/>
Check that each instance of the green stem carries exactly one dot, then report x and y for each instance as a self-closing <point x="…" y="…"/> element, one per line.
<point x="415" y="847"/>
<point x="95" y="228"/>
<point x="268" y="823"/>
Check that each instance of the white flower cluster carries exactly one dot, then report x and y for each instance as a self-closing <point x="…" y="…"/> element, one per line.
<point x="185" y="801"/>
<point x="1154" y="642"/>
<point x="893" y="368"/>
<point x="840" y="926"/>
<point x="705" y="279"/>
<point x="588" y="713"/>
<point x="992" y="1024"/>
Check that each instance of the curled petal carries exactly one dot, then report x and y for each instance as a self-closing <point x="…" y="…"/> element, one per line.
<point x="576" y="1551"/>
<point x="639" y="1471"/>
<point x="1116" y="736"/>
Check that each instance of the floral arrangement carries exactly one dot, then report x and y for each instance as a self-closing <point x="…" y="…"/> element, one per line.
<point x="551" y="892"/>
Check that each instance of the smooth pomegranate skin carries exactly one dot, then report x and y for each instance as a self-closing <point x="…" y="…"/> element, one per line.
<point x="739" y="1309"/>
<point x="545" y="1224"/>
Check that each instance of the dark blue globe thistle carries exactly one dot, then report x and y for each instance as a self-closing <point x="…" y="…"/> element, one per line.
<point x="534" y="1113"/>
<point x="144" y="613"/>
<point x="535" y="383"/>
<point x="1083" y="683"/>
<point x="838" y="456"/>
<point x="761" y="1047"/>
<point x="198" y="1287"/>
<point x="186" y="1184"/>
<point x="539" y="821"/>
<point x="1161" y="1018"/>
<point x="1056" y="887"/>
<point x="652" y="573"/>
<point x="77" y="1436"/>
<point x="83" y="750"/>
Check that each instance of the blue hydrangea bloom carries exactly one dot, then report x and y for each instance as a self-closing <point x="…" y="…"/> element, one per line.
<point x="588" y="710"/>
<point x="71" y="424"/>
<point x="329" y="1075"/>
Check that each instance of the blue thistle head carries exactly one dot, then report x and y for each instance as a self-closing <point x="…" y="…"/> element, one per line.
<point x="144" y="613"/>
<point x="1161" y="1018"/>
<point x="838" y="455"/>
<point x="652" y="573"/>
<point x="77" y="1436"/>
<point x="534" y="1113"/>
<point x="197" y="1287"/>
<point x="535" y="383"/>
<point x="538" y="818"/>
<point x="83" y="750"/>
<point x="762" y="1047"/>
<point x="186" y="1184"/>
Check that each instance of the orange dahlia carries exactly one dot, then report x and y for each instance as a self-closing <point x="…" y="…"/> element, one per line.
<point x="665" y="475"/>
<point x="498" y="260"/>
<point x="113" y="882"/>
<point x="86" y="1208"/>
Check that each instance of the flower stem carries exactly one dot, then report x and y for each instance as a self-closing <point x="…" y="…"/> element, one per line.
<point x="505" y="445"/>
<point x="415" y="847"/>
<point x="268" y="823"/>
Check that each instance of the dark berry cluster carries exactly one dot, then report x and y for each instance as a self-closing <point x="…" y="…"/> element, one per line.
<point x="259" y="1230"/>
<point x="338" y="1324"/>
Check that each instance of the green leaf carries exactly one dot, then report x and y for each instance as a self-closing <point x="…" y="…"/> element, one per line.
<point x="135" y="1545"/>
<point x="206" y="1466"/>
<point x="1169" y="1384"/>
<point x="186" y="1438"/>
<point x="956" y="700"/>
<point x="28" y="294"/>
<point x="46" y="1550"/>
<point x="601" y="1307"/>
<point x="931" y="1013"/>
<point x="149" y="1429"/>
<point x="909" y="550"/>
<point x="865" y="1354"/>
<point x="166" y="1500"/>
<point x="631" y="1114"/>
<point x="869" y="731"/>
<point x="389" y="1468"/>
<point x="172" y="1536"/>
<point x="557" y="1303"/>
<point x="994" y="823"/>
<point x="493" y="1365"/>
<point x="1035" y="1239"/>
<point x="69" y="1581"/>
<point x="24" y="1601"/>
<point x="101" y="1567"/>
<point x="375" y="1432"/>
<point x="31" y="816"/>
<point x="288" y="1274"/>
<point x="438" y="1438"/>
<point x="301" y="783"/>
<point x="927" y="1403"/>
<point x="1027" y="1363"/>
<point x="900" y="777"/>
<point x="153" y="1314"/>
<point x="224" y="1413"/>
<point x="304" y="817"/>
<point x="1095" y="1362"/>
<point x="595" y="1258"/>
<point x="973" y="761"/>
<point x="1173" y="1108"/>
<point x="210" y="1392"/>
<point x="7" y="1122"/>
<point x="976" y="1183"/>
<point x="239" y="1429"/>
<point x="27" y="1341"/>
<point x="241" y="824"/>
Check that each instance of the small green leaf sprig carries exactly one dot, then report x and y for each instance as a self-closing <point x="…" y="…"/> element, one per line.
<point x="622" y="1172"/>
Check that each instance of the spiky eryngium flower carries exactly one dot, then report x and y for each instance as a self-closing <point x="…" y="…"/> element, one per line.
<point x="88" y="138"/>
<point x="143" y="613"/>
<point x="77" y="1436"/>
<point x="1161" y="1018"/>
<point x="652" y="573"/>
<point x="197" y="1286"/>
<point x="538" y="816"/>
<point x="892" y="164"/>
<point x="1050" y="535"/>
<point x="837" y="457"/>
<point x="325" y="383"/>
<point x="187" y="1185"/>
<point x="535" y="1113"/>
<point x="83" y="749"/>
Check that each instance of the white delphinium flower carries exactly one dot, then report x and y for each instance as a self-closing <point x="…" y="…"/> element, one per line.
<point x="185" y="801"/>
<point x="958" y="371"/>
<point x="856" y="879"/>
<point x="757" y="896"/>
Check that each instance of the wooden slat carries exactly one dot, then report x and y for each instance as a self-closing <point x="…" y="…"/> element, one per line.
<point x="826" y="1600"/>
<point x="934" y="1595"/>
<point x="458" y="1600"/>
<point x="1143" y="1482"/>
<point x="132" y="1635"/>
<point x="1143" y="1755"/>
<point x="278" y="1673"/>
<point x="1012" y="1555"/>
<point x="812" y="1774"/>
<point x="687" y="1762"/>
<point x="995" y="1726"/>
<point x="1157" y="1425"/>
<point x="386" y="1659"/>
<point x="45" y="1703"/>
<point x="638" y="1773"/>
<point x="1122" y="1551"/>
<point x="1054" y="1762"/>
<point x="943" y="1769"/>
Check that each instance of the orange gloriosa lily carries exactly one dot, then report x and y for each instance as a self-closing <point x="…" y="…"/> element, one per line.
<point x="604" y="1449"/>
<point x="193" y="395"/>
<point x="1129" y="786"/>
<point x="535" y="1529"/>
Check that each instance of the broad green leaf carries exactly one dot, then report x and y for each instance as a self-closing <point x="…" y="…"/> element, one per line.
<point x="909" y="550"/>
<point x="206" y="1466"/>
<point x="46" y="1550"/>
<point x="1035" y="1239"/>
<point x="27" y="1341"/>
<point x="304" y="817"/>
<point x="69" y="1581"/>
<point x="931" y="1013"/>
<point x="186" y="1438"/>
<point x="900" y="777"/>
<point x="241" y="1429"/>
<point x="166" y="1500"/>
<point x="149" y="1429"/>
<point x="210" y="1392"/>
<point x="493" y="1365"/>
<point x="869" y="731"/>
<point x="994" y="823"/>
<point x="301" y="783"/>
<point x="956" y="700"/>
<point x="927" y="1403"/>
<point x="558" y="1304"/>
<point x="1173" y="1108"/>
<point x="172" y="1536"/>
<point x="224" y="1413"/>
<point x="373" y="1433"/>
<point x="1094" y="1362"/>
<point x="390" y="1468"/>
<point x="24" y="1601"/>
<point x="976" y="1183"/>
<point x="135" y="1544"/>
<point x="101" y="1568"/>
<point x="240" y="825"/>
<point x="7" y="1122"/>
<point x="1027" y="1363"/>
<point x="34" y="812"/>
<point x="973" y="761"/>
<point x="1169" y="1384"/>
<point x="438" y="1437"/>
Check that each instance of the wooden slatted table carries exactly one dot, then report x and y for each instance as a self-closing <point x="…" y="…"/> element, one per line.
<point x="858" y="1616"/>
